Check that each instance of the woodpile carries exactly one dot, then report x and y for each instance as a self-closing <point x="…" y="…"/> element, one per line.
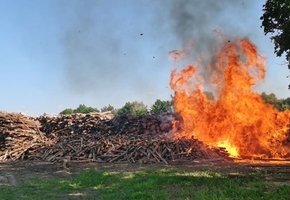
<point x="97" y="137"/>
<point x="99" y="123"/>
<point x="19" y="135"/>
<point x="127" y="147"/>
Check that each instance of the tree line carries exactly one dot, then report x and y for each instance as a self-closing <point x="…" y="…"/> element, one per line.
<point x="136" y="108"/>
<point x="280" y="104"/>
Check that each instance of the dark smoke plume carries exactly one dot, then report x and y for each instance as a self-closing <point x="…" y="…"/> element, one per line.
<point x="196" y="20"/>
<point x="206" y="23"/>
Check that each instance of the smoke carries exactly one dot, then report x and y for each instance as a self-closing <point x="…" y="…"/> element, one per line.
<point x="209" y="24"/>
<point x="196" y="20"/>
<point x="83" y="44"/>
<point x="111" y="49"/>
<point x="111" y="45"/>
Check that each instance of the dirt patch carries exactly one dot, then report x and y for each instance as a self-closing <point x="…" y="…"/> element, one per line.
<point x="13" y="173"/>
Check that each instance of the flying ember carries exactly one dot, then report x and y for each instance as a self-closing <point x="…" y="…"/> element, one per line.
<point x="236" y="117"/>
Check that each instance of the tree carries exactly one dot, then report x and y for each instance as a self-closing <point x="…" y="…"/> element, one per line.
<point x="276" y="21"/>
<point x="84" y="109"/>
<point x="161" y="107"/>
<point x="286" y="104"/>
<point x="280" y="104"/>
<point x="273" y="100"/>
<point x="134" y="108"/>
<point x="126" y="109"/>
<point x="108" y="108"/>
<point x="67" y="111"/>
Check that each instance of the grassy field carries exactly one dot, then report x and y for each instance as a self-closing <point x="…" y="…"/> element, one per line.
<point x="149" y="184"/>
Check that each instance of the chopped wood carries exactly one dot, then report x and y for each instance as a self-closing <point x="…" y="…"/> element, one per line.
<point x="97" y="137"/>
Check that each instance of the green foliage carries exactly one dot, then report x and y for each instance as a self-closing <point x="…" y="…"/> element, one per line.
<point x="126" y="109"/>
<point x="84" y="109"/>
<point x="280" y="104"/>
<point x="81" y="109"/>
<point x="134" y="108"/>
<point x="286" y="104"/>
<point x="276" y="21"/>
<point x="108" y="108"/>
<point x="272" y="99"/>
<point x="67" y="111"/>
<point x="139" y="108"/>
<point x="161" y="107"/>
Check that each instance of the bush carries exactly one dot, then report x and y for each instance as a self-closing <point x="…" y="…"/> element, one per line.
<point x="134" y="108"/>
<point x="161" y="107"/>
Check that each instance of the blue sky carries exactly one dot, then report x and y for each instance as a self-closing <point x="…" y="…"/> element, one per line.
<point x="58" y="54"/>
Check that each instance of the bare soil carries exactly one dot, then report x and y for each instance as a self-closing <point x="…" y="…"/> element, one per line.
<point x="18" y="172"/>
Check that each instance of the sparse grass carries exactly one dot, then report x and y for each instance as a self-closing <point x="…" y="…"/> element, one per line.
<point x="149" y="184"/>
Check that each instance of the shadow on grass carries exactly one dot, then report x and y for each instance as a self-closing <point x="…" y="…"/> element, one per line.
<point x="149" y="184"/>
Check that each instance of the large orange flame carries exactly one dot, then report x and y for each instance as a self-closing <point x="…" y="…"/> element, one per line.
<point x="238" y="118"/>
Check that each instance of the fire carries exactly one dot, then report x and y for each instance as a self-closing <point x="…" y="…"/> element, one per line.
<point x="237" y="118"/>
<point x="231" y="149"/>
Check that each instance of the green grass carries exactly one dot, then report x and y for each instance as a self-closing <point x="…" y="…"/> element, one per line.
<point x="150" y="184"/>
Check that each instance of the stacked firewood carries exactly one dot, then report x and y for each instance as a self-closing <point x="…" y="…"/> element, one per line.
<point x="19" y="134"/>
<point x="97" y="137"/>
<point x="130" y="148"/>
<point x="143" y="139"/>
<point x="99" y="123"/>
